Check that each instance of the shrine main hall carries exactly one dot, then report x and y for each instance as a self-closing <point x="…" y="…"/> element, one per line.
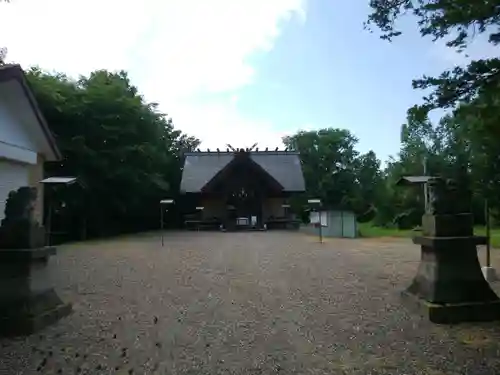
<point x="242" y="188"/>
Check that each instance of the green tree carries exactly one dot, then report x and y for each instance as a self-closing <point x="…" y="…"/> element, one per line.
<point x="368" y="186"/>
<point x="462" y="146"/>
<point x="472" y="144"/>
<point x="125" y="153"/>
<point x="328" y="163"/>
<point x="458" y="22"/>
<point x="335" y="172"/>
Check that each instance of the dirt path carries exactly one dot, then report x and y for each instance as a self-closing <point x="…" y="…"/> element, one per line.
<point x="245" y="303"/>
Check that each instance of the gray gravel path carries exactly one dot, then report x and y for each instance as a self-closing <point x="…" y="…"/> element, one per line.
<point x="244" y="303"/>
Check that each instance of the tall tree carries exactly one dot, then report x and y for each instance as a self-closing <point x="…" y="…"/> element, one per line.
<point x="465" y="142"/>
<point x="368" y="186"/>
<point x="335" y="172"/>
<point x="458" y="22"/>
<point x="124" y="152"/>
<point x="328" y="163"/>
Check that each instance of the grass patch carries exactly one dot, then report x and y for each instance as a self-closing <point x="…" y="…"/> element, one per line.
<point x="368" y="230"/>
<point x="494" y="235"/>
<point x="371" y="231"/>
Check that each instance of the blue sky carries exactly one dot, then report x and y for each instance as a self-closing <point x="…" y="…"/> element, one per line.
<point x="331" y="72"/>
<point x="241" y="71"/>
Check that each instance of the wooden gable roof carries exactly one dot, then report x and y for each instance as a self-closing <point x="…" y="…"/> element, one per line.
<point x="201" y="167"/>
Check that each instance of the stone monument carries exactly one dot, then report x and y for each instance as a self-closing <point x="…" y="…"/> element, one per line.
<point x="449" y="286"/>
<point x="28" y="301"/>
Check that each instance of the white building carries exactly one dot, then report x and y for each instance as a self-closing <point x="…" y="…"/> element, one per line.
<point x="25" y="139"/>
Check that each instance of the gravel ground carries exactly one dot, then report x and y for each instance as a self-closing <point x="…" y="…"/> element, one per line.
<point x="245" y="303"/>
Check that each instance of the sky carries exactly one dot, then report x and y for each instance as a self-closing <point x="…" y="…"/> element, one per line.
<point x="239" y="72"/>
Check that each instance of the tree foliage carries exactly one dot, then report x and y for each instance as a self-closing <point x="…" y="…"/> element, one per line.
<point x="463" y="146"/>
<point x="334" y="171"/>
<point x="126" y="155"/>
<point x="458" y="22"/>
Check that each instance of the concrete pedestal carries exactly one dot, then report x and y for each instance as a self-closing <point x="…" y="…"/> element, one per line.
<point x="452" y="313"/>
<point x="28" y="301"/>
<point x="449" y="286"/>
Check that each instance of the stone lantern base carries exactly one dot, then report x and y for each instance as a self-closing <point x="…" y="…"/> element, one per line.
<point x="449" y="286"/>
<point x="28" y="301"/>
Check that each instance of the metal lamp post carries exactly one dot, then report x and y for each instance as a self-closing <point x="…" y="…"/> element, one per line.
<point x="286" y="213"/>
<point x="163" y="202"/>
<point x="55" y="181"/>
<point x="200" y="209"/>
<point x="317" y="203"/>
<point x="488" y="271"/>
<point x="488" y="234"/>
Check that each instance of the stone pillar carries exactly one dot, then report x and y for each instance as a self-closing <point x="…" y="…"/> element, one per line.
<point x="28" y="301"/>
<point x="449" y="286"/>
<point x="35" y="176"/>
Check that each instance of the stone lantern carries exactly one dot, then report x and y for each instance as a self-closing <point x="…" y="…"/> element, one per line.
<point x="449" y="286"/>
<point x="28" y="301"/>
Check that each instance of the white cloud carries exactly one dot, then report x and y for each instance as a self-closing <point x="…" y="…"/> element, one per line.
<point x="174" y="50"/>
<point x="74" y="37"/>
<point x="229" y="127"/>
<point x="234" y="99"/>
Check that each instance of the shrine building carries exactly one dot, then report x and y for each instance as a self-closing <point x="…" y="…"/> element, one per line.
<point x="242" y="188"/>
